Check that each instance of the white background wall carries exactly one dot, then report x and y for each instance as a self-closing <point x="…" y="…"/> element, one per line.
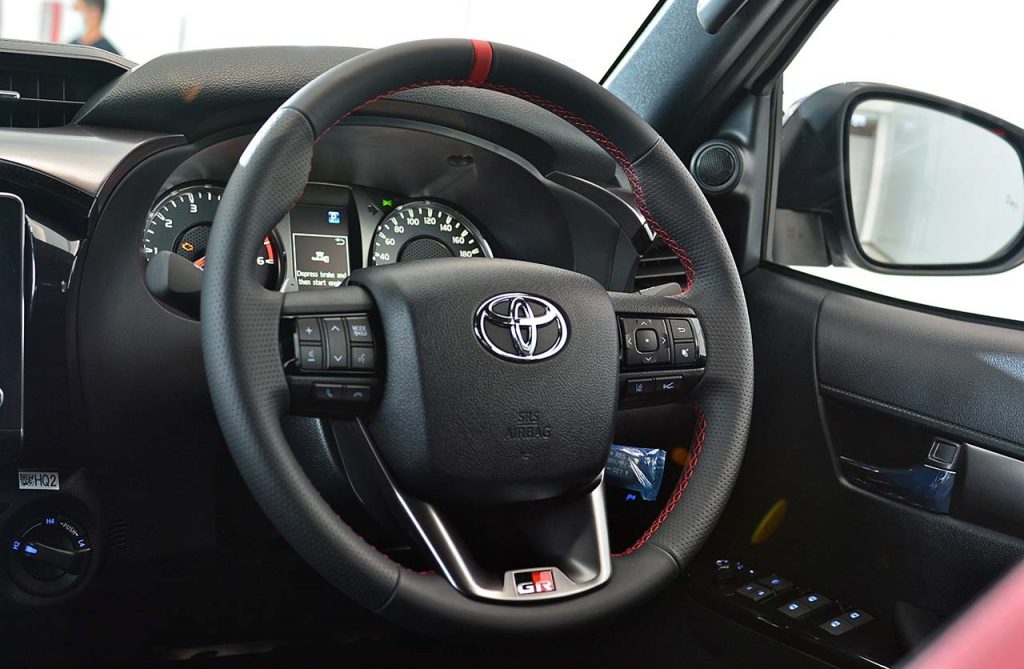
<point x="585" y="34"/>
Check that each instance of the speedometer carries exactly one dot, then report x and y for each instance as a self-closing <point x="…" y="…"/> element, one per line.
<point x="422" y="230"/>
<point x="180" y="223"/>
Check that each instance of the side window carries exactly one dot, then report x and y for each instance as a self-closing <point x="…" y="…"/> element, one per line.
<point x="908" y="182"/>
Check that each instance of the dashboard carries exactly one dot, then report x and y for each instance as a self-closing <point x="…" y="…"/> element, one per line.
<point x="115" y="422"/>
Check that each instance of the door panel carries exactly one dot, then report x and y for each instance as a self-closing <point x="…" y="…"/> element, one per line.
<point x="838" y="374"/>
<point x="949" y="374"/>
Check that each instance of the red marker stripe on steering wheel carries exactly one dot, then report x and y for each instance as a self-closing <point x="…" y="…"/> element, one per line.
<point x="483" y="56"/>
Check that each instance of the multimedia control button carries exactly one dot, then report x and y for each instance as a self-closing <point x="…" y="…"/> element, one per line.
<point x="311" y="357"/>
<point x="362" y="357"/>
<point x="328" y="393"/>
<point x="646" y="340"/>
<point x="359" y="330"/>
<point x="308" y="330"/>
<point x="680" y="329"/>
<point x="337" y="343"/>
<point x="662" y="356"/>
<point x="357" y="393"/>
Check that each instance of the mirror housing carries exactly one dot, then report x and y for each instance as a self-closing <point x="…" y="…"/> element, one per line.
<point x="815" y="223"/>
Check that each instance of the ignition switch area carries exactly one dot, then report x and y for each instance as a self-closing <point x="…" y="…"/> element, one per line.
<point x="49" y="555"/>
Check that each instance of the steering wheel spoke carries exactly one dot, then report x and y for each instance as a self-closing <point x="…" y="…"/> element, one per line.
<point x="663" y="349"/>
<point x="512" y="553"/>
<point x="332" y="351"/>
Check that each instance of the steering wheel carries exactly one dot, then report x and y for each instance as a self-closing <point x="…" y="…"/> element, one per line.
<point x="500" y="378"/>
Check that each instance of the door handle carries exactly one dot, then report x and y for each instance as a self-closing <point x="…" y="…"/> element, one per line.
<point x="925" y="486"/>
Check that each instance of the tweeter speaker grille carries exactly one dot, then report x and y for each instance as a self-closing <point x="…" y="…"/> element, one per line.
<point x="717" y="166"/>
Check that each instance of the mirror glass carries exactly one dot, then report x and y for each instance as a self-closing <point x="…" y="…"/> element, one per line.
<point x="931" y="188"/>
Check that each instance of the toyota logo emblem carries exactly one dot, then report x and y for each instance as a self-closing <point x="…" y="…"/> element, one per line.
<point x="521" y="327"/>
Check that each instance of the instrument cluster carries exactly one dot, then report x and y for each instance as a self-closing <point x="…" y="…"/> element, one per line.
<point x="330" y="231"/>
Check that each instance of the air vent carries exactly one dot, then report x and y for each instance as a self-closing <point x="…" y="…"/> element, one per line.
<point x="45" y="91"/>
<point x="658" y="266"/>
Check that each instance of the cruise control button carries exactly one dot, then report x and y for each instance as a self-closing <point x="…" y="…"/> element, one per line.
<point x="308" y="330"/>
<point x="646" y="340"/>
<point x="362" y="357"/>
<point x="359" y="330"/>
<point x="337" y="343"/>
<point x="311" y="357"/>
<point x="680" y="329"/>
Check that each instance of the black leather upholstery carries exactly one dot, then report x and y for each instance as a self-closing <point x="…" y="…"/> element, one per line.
<point x="239" y="342"/>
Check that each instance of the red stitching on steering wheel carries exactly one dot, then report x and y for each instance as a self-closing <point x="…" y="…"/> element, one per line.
<point x="699" y="432"/>
<point x="623" y="161"/>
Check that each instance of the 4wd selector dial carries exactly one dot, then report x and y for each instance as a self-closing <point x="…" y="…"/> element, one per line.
<point x="49" y="555"/>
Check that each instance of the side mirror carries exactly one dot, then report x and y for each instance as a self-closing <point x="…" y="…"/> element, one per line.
<point x="899" y="181"/>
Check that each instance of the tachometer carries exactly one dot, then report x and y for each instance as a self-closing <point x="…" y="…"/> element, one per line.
<point x="422" y="230"/>
<point x="180" y="223"/>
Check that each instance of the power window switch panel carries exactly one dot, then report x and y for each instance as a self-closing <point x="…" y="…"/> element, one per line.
<point x="755" y="592"/>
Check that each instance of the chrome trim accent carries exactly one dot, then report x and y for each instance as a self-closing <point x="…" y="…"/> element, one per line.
<point x="462" y="572"/>
<point x="523" y="324"/>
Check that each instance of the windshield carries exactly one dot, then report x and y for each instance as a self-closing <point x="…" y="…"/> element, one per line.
<point x="587" y="35"/>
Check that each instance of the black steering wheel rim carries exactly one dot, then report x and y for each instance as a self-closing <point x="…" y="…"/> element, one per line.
<point x="240" y="320"/>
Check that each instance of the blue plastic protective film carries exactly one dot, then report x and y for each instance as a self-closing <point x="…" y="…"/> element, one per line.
<point x="637" y="469"/>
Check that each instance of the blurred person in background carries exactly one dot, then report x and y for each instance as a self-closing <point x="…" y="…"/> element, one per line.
<point x="91" y="12"/>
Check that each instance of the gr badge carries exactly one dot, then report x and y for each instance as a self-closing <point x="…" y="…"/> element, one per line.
<point x="534" y="582"/>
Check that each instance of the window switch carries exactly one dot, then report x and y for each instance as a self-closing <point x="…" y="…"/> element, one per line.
<point x="815" y="601"/>
<point x="846" y="622"/>
<point x="795" y="609"/>
<point x="755" y="592"/>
